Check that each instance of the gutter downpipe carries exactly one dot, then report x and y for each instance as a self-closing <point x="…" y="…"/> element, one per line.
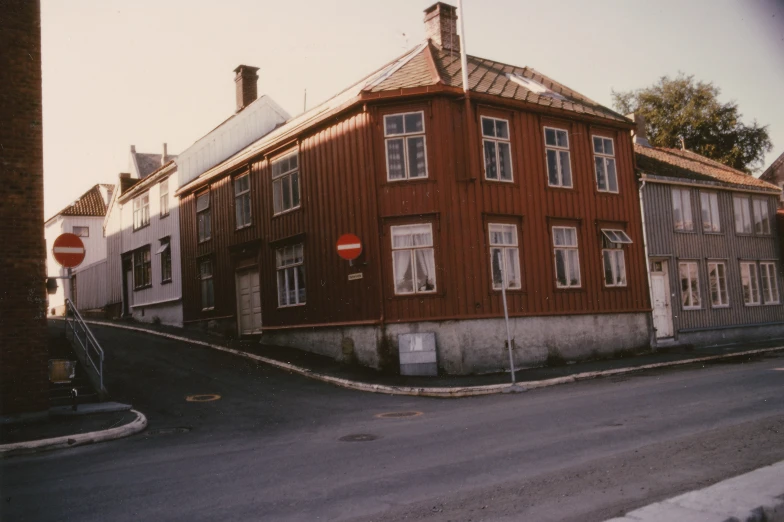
<point x="645" y="251"/>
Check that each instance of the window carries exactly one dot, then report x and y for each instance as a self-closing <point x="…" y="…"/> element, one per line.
<point x="242" y="200"/>
<point x="742" y="214"/>
<point x="750" y="283"/>
<point x="498" y="150"/>
<point x="613" y="257"/>
<point x="567" y="259"/>
<point x="81" y="231"/>
<point x="285" y="183"/>
<point x="709" y="204"/>
<point x="690" y="285"/>
<point x="164" y="192"/>
<point x="717" y="278"/>
<point x="405" y="146"/>
<point x="559" y="170"/>
<point x="413" y="259"/>
<point x="504" y="257"/>
<point x="165" y="252"/>
<point x="207" y="291"/>
<point x="770" y="286"/>
<point x="142" y="268"/>
<point x="604" y="160"/>
<point x="203" y="225"/>
<point x="681" y="209"/>
<point x="141" y="211"/>
<point x="291" y="275"/>
<point x="761" y="218"/>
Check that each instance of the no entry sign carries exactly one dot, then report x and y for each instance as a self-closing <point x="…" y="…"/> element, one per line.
<point x="68" y="250"/>
<point x="349" y="246"/>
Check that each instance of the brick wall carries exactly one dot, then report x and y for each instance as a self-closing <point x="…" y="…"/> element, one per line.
<point x="23" y="335"/>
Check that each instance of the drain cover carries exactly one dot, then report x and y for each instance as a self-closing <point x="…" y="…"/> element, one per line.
<point x="359" y="437"/>
<point x="169" y="431"/>
<point x="398" y="414"/>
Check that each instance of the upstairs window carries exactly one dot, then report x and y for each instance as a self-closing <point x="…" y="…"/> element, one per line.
<point x="164" y="192"/>
<point x="404" y="140"/>
<point x="203" y="223"/>
<point x="681" y="209"/>
<point x="750" y="284"/>
<point x="613" y="256"/>
<point x="141" y="211"/>
<point x="166" y="265"/>
<point x="504" y="257"/>
<point x="285" y="183"/>
<point x="81" y="231"/>
<point x="207" y="290"/>
<point x="690" y="285"/>
<point x="291" y="275"/>
<point x="567" y="258"/>
<point x="742" y="214"/>
<point x="709" y="204"/>
<point x="717" y="278"/>
<point x="604" y="162"/>
<point x="559" y="170"/>
<point x="242" y="200"/>
<point x="761" y="218"/>
<point x="770" y="285"/>
<point x="498" y="152"/>
<point x="142" y="268"/>
<point x="413" y="259"/>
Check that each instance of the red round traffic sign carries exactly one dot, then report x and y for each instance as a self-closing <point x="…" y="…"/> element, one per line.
<point x="349" y="246"/>
<point x="68" y="250"/>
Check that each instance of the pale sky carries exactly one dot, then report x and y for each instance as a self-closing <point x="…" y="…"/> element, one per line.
<point x="145" y="72"/>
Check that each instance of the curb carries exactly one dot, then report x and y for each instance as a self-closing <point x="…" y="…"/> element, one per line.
<point x="70" y="441"/>
<point x="438" y="392"/>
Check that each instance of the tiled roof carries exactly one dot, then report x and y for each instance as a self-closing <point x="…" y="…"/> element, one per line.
<point x="91" y="203"/>
<point x="491" y="77"/>
<point x="772" y="172"/>
<point x="675" y="163"/>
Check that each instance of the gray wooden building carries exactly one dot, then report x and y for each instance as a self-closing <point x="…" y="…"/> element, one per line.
<point x="713" y="249"/>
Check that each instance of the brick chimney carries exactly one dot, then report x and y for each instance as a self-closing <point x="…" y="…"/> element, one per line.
<point x="639" y="135"/>
<point x="441" y="26"/>
<point x="246" y="80"/>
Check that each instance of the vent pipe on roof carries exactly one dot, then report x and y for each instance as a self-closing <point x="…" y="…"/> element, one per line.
<point x="164" y="156"/>
<point x="639" y="134"/>
<point x="246" y="80"/>
<point x="683" y="142"/>
<point x="441" y="26"/>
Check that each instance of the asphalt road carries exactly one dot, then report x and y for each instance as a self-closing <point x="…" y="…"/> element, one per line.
<point x="270" y="447"/>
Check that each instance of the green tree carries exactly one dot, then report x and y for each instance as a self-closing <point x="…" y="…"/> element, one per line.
<point x="684" y="107"/>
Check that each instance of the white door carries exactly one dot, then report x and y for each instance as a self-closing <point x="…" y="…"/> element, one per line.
<point x="249" y="301"/>
<point x="660" y="294"/>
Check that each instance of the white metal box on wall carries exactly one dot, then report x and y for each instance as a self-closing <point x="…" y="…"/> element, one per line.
<point x="417" y="354"/>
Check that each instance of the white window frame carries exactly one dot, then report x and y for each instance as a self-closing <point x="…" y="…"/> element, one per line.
<point x="745" y="217"/>
<point x="242" y="202"/>
<point x="405" y="136"/>
<point x="505" y="249"/>
<point x="769" y="283"/>
<point x="605" y="159"/>
<point x="203" y="216"/>
<point x="722" y="292"/>
<point x="497" y="142"/>
<point x="696" y="278"/>
<point x="566" y="249"/>
<point x="141" y="211"/>
<point x="163" y="191"/>
<point x="206" y="281"/>
<point x="681" y="201"/>
<point x="612" y="251"/>
<point x="412" y="252"/>
<point x="287" y="270"/>
<point x="81" y="230"/>
<point x="292" y="174"/>
<point x="754" y="295"/>
<point x="713" y="224"/>
<point x="760" y="206"/>
<point x="558" y="150"/>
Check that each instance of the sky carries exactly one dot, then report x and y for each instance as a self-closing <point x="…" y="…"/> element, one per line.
<point x="118" y="73"/>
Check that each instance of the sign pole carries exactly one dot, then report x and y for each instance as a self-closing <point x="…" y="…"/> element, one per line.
<point x="508" y="336"/>
<point x="70" y="286"/>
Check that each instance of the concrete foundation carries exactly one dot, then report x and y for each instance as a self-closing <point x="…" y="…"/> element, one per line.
<point x="167" y="313"/>
<point x="731" y="334"/>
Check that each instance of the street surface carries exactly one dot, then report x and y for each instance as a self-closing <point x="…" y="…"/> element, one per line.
<point x="269" y="448"/>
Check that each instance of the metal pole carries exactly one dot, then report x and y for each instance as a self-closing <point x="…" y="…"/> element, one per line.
<point x="463" y="52"/>
<point x="506" y="319"/>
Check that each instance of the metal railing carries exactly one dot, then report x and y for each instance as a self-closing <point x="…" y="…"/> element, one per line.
<point x="85" y="345"/>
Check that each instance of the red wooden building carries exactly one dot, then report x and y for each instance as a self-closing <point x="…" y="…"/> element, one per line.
<point x="521" y="180"/>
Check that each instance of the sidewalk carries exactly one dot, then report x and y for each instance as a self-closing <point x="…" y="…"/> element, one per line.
<point x="366" y="379"/>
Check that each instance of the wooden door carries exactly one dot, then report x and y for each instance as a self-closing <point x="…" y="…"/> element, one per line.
<point x="248" y="301"/>
<point x="660" y="295"/>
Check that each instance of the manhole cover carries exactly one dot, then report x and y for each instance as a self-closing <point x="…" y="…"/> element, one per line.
<point x="398" y="414"/>
<point x="169" y="431"/>
<point x="207" y="397"/>
<point x="359" y="437"/>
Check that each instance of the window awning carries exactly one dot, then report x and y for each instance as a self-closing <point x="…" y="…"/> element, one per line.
<point x="162" y="248"/>
<point x="616" y="236"/>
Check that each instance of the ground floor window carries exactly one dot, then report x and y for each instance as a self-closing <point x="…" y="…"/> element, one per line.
<point x="166" y="267"/>
<point x="613" y="256"/>
<point x="207" y="290"/>
<point x="717" y="278"/>
<point x="770" y="287"/>
<point x="690" y="285"/>
<point x="504" y="257"/>
<point x="567" y="259"/>
<point x="291" y="275"/>
<point x="750" y="284"/>
<point x="142" y="267"/>
<point x="413" y="259"/>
